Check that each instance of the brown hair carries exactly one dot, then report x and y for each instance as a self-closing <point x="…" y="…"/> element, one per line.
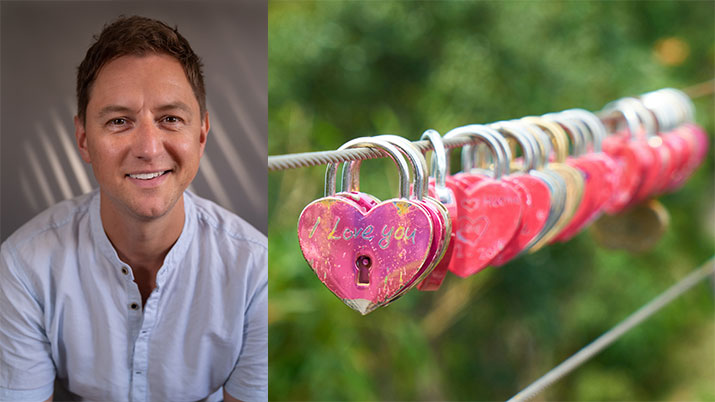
<point x="137" y="36"/>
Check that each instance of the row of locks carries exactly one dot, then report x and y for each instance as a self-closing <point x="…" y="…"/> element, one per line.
<point x="573" y="167"/>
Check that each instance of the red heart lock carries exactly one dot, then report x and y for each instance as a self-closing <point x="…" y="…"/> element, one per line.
<point x="435" y="278"/>
<point x="536" y="200"/>
<point x="668" y="165"/>
<point x="698" y="144"/>
<point x="628" y="168"/>
<point x="489" y="214"/>
<point x="594" y="182"/>
<point x="489" y="210"/>
<point x="533" y="192"/>
<point x="650" y="166"/>
<point x="680" y="151"/>
<point x="439" y="191"/>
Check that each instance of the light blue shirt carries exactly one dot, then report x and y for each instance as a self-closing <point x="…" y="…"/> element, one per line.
<point x="70" y="309"/>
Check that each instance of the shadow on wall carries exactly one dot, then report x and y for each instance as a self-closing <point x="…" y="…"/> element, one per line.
<point x="39" y="162"/>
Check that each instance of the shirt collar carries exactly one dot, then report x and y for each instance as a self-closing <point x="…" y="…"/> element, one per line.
<point x="175" y="254"/>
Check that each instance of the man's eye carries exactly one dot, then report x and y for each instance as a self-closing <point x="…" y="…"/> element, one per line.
<point x="172" y="119"/>
<point x="117" y="122"/>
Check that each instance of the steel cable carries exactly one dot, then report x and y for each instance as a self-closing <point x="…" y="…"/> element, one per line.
<point x="298" y="160"/>
<point x="590" y="350"/>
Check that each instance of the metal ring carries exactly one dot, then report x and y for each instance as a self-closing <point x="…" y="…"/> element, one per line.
<point x="368" y="142"/>
<point x="416" y="159"/>
<point x="484" y="134"/>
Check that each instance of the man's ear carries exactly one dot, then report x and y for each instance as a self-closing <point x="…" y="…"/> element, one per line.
<point x="205" y="127"/>
<point x="80" y="135"/>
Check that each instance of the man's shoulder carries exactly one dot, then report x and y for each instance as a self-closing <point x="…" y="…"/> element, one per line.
<point x="57" y="218"/>
<point x="222" y="222"/>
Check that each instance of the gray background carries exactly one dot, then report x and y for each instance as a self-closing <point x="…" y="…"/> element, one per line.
<point x="42" y="43"/>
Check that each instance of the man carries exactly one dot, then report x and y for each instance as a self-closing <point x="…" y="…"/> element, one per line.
<point x="139" y="290"/>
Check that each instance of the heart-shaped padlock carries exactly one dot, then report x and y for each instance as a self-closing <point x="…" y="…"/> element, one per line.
<point x="674" y="112"/>
<point x="698" y="145"/>
<point x="572" y="177"/>
<point x="534" y="193"/>
<point x="597" y="186"/>
<point x="595" y="130"/>
<point x="651" y="162"/>
<point x="541" y="145"/>
<point x="590" y="171"/>
<point x="489" y="210"/>
<point x="445" y="196"/>
<point x="366" y="257"/>
<point x="438" y="212"/>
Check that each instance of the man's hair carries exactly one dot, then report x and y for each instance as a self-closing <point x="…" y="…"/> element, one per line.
<point x="137" y="36"/>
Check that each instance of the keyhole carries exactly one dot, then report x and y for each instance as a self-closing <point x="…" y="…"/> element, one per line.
<point x="363" y="264"/>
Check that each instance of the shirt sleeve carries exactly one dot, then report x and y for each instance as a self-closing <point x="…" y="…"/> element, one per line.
<point x="26" y="367"/>
<point x="249" y="379"/>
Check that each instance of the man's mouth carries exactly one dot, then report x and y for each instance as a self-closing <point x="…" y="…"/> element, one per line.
<point x="148" y="176"/>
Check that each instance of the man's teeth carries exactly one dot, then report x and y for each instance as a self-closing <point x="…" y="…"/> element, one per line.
<point x="146" y="176"/>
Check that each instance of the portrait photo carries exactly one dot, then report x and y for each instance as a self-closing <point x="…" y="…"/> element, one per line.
<point x="133" y="212"/>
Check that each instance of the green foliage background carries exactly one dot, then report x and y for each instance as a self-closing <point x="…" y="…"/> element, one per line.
<point x="339" y="70"/>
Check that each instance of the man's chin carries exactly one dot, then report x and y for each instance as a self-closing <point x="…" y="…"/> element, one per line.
<point x="153" y="211"/>
<point x="143" y="209"/>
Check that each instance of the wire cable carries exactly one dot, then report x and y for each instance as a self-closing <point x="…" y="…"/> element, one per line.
<point x="305" y="159"/>
<point x="293" y="161"/>
<point x="590" y="350"/>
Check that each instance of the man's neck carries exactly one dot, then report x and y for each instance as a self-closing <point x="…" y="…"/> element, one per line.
<point x="142" y="244"/>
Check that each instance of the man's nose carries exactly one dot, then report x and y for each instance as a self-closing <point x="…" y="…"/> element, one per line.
<point x="147" y="140"/>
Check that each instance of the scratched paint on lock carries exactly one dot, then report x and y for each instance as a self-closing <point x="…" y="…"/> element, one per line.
<point x="395" y="236"/>
<point x="489" y="215"/>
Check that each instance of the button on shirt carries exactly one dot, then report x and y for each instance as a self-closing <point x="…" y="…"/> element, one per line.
<point x="70" y="309"/>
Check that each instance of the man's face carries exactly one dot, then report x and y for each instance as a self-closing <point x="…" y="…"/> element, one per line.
<point x="144" y="134"/>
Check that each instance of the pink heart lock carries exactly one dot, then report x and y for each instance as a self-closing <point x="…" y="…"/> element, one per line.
<point x="439" y="191"/>
<point x="533" y="193"/>
<point x="637" y="164"/>
<point x="489" y="210"/>
<point x="366" y="257"/>
<point x="596" y="184"/>
<point x="438" y="212"/>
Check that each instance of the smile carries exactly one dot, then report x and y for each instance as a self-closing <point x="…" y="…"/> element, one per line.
<point x="148" y="176"/>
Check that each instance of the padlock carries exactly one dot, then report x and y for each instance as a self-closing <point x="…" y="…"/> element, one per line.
<point x="533" y="191"/>
<point x="489" y="209"/>
<point x="445" y="195"/>
<point x="439" y="213"/>
<point x="366" y="257"/>
<point x="572" y="177"/>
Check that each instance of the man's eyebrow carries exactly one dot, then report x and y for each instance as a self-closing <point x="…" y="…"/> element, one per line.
<point x="113" y="109"/>
<point x="173" y="106"/>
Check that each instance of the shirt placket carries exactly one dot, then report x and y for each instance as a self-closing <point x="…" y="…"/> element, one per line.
<point x="141" y="326"/>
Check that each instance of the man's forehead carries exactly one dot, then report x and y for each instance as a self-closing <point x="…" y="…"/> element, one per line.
<point x="157" y="80"/>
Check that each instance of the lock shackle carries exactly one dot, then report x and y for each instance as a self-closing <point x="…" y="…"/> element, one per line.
<point x="368" y="142"/>
<point x="558" y="138"/>
<point x="540" y="141"/>
<point x="477" y="154"/>
<point x="671" y="107"/>
<point x="595" y="126"/>
<point x="577" y="138"/>
<point x="438" y="160"/>
<point x="668" y="112"/>
<point x="415" y="158"/>
<point x="516" y="132"/>
<point x="483" y="134"/>
<point x="635" y="114"/>
<point x="439" y="168"/>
